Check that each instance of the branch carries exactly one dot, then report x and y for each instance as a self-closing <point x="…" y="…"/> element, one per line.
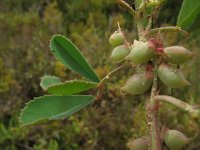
<point x="149" y="24"/>
<point x="192" y="110"/>
<point x="107" y="77"/>
<point x="127" y="7"/>
<point x="142" y="7"/>
<point x="168" y="29"/>
<point x="174" y="101"/>
<point x="152" y="114"/>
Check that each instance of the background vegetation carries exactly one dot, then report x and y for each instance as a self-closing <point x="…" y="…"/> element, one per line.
<point x="25" y="30"/>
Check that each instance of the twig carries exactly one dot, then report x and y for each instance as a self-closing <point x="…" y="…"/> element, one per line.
<point x="126" y="6"/>
<point x="193" y="111"/>
<point x="152" y="114"/>
<point x="107" y="77"/>
<point x="148" y="27"/>
<point x="125" y="41"/>
<point x="140" y="28"/>
<point x="174" y="101"/>
<point x="142" y="7"/>
<point x="168" y="29"/>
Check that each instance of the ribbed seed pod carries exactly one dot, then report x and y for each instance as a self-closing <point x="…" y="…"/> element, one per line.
<point x="141" y="52"/>
<point x="139" y="144"/>
<point x="171" y="76"/>
<point x="175" y="140"/>
<point x="177" y="54"/>
<point x="119" y="53"/>
<point x="137" y="84"/>
<point x="116" y="39"/>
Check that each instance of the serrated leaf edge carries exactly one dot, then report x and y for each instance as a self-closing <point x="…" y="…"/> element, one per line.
<point x="72" y="81"/>
<point x="34" y="99"/>
<point x="76" y="48"/>
<point x="26" y="106"/>
<point x="51" y="49"/>
<point x="46" y="76"/>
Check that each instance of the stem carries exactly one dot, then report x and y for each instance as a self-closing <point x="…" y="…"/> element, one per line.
<point x="140" y="28"/>
<point x="192" y="110"/>
<point x="107" y="77"/>
<point x="152" y="105"/>
<point x="126" y="6"/>
<point x="148" y="27"/>
<point x="125" y="41"/>
<point x="168" y="29"/>
<point x="176" y="102"/>
<point x="152" y="115"/>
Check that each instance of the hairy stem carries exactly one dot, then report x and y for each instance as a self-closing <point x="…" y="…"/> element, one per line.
<point x="152" y="105"/>
<point x="152" y="115"/>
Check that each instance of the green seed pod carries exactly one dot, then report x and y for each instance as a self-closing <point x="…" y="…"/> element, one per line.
<point x="141" y="52"/>
<point x="119" y="53"/>
<point x="137" y="84"/>
<point x="116" y="39"/>
<point x="175" y="140"/>
<point x="171" y="76"/>
<point x="177" y="54"/>
<point x="139" y="144"/>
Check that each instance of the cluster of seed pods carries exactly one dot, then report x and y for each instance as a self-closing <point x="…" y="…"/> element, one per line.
<point x="169" y="74"/>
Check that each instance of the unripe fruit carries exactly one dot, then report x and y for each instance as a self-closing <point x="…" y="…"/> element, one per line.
<point x="141" y="52"/>
<point x="177" y="54"/>
<point x="137" y="84"/>
<point x="139" y="144"/>
<point x="171" y="76"/>
<point x="175" y="140"/>
<point x="119" y="53"/>
<point x="116" y="39"/>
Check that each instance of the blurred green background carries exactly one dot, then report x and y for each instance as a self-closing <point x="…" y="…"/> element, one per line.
<point x="26" y="26"/>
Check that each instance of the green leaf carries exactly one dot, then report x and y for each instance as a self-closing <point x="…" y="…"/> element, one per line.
<point x="65" y="51"/>
<point x="53" y="107"/>
<point x="47" y="81"/>
<point x="188" y="13"/>
<point x="71" y="87"/>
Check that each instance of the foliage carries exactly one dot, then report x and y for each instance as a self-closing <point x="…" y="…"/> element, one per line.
<point x="65" y="51"/>
<point x="53" y="107"/>
<point x="188" y="13"/>
<point x="26" y="56"/>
